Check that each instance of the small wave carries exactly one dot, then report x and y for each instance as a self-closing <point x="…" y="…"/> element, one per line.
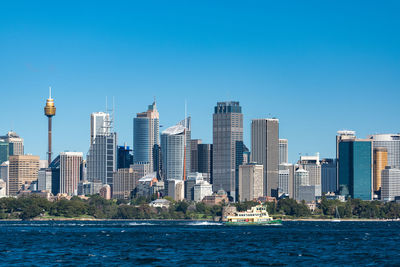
<point x="203" y="223"/>
<point x="140" y="224"/>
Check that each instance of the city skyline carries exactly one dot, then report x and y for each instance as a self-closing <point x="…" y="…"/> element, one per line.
<point x="274" y="65"/>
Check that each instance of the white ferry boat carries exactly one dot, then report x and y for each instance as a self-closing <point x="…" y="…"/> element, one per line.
<point x="256" y="215"/>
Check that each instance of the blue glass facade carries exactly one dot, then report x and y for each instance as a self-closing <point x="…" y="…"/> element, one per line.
<point x="355" y="169"/>
<point x="124" y="157"/>
<point x="141" y="142"/>
<point x="4" y="152"/>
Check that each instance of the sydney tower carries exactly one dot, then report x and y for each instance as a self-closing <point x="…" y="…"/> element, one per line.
<point x="49" y="111"/>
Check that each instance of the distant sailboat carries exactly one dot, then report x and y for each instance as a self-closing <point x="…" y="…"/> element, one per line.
<point x="337" y="216"/>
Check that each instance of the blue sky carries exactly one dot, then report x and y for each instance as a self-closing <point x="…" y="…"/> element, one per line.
<point x="318" y="66"/>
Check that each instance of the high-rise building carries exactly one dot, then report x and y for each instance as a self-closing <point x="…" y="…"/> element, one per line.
<point x="70" y="172"/>
<point x="89" y="188"/>
<point x="380" y="162"/>
<point x="49" y="111"/>
<point x="201" y="190"/>
<point x="205" y="161"/>
<point x="157" y="161"/>
<point x="23" y="170"/>
<point x="4" y="173"/>
<point x="340" y="136"/>
<point x="124" y="157"/>
<point x="125" y="180"/>
<point x="392" y="143"/>
<point x="176" y="189"/>
<point x="328" y="175"/>
<point x="227" y="130"/>
<point x="16" y="143"/>
<point x="240" y="148"/>
<point x="4" y="151"/>
<point x="286" y="179"/>
<point x="175" y="150"/>
<point x="301" y="178"/>
<point x="99" y="125"/>
<point x="355" y="168"/>
<point x="102" y="156"/>
<point x="194" y="155"/>
<point x="283" y="151"/>
<point x="141" y="169"/>
<point x="265" y="151"/>
<point x="146" y="134"/>
<point x="55" y="175"/>
<point x="251" y="182"/>
<point x="44" y="179"/>
<point x="390" y="183"/>
<point x="192" y="179"/>
<point x="313" y="166"/>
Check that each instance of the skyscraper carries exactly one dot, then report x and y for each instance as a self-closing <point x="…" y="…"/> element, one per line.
<point x="283" y="151"/>
<point x="265" y="151"/>
<point x="157" y="161"/>
<point x="23" y="169"/>
<point x="355" y="168"/>
<point x="194" y="155"/>
<point x="301" y="178"/>
<point x="286" y="179"/>
<point x="49" y="111"/>
<point x="55" y="175"/>
<point x="328" y="175"/>
<point x="392" y="143"/>
<point x="99" y="125"/>
<point x="390" y="183"/>
<point x="102" y="158"/>
<point x="313" y="166"/>
<point x="227" y="129"/>
<point x="205" y="161"/>
<point x="174" y="140"/>
<point x="70" y="172"/>
<point x="102" y="155"/>
<point x="16" y="143"/>
<point x="124" y="157"/>
<point x="146" y="134"/>
<point x="251" y="182"/>
<point x="380" y="162"/>
<point x="340" y="136"/>
<point x="4" y="151"/>
<point x="44" y="179"/>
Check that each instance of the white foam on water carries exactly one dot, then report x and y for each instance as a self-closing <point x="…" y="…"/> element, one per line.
<point x="140" y="223"/>
<point x="204" y="223"/>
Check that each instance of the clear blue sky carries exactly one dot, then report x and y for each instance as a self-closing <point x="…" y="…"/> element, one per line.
<point x="318" y="66"/>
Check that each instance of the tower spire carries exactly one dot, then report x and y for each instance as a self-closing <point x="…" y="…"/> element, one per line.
<point x="49" y="92"/>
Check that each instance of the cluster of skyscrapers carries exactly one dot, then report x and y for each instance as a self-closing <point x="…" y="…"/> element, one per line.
<point x="173" y="164"/>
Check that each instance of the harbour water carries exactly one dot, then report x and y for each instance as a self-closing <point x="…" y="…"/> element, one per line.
<point x="161" y="243"/>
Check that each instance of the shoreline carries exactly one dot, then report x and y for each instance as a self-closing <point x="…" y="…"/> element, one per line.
<point x="200" y="220"/>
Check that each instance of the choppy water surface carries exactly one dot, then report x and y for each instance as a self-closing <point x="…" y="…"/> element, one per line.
<point x="198" y="243"/>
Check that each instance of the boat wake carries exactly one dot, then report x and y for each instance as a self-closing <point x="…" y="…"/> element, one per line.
<point x="140" y="223"/>
<point x="203" y="223"/>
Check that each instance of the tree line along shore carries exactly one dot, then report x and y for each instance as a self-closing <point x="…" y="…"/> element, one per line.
<point x="96" y="207"/>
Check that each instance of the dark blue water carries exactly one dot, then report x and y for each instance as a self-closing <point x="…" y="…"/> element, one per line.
<point x="194" y="243"/>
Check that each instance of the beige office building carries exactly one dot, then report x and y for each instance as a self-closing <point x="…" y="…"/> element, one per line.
<point x="125" y="180"/>
<point x="251" y="182"/>
<point x="23" y="169"/>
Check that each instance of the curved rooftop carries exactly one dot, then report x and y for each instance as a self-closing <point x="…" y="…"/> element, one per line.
<point x="174" y="130"/>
